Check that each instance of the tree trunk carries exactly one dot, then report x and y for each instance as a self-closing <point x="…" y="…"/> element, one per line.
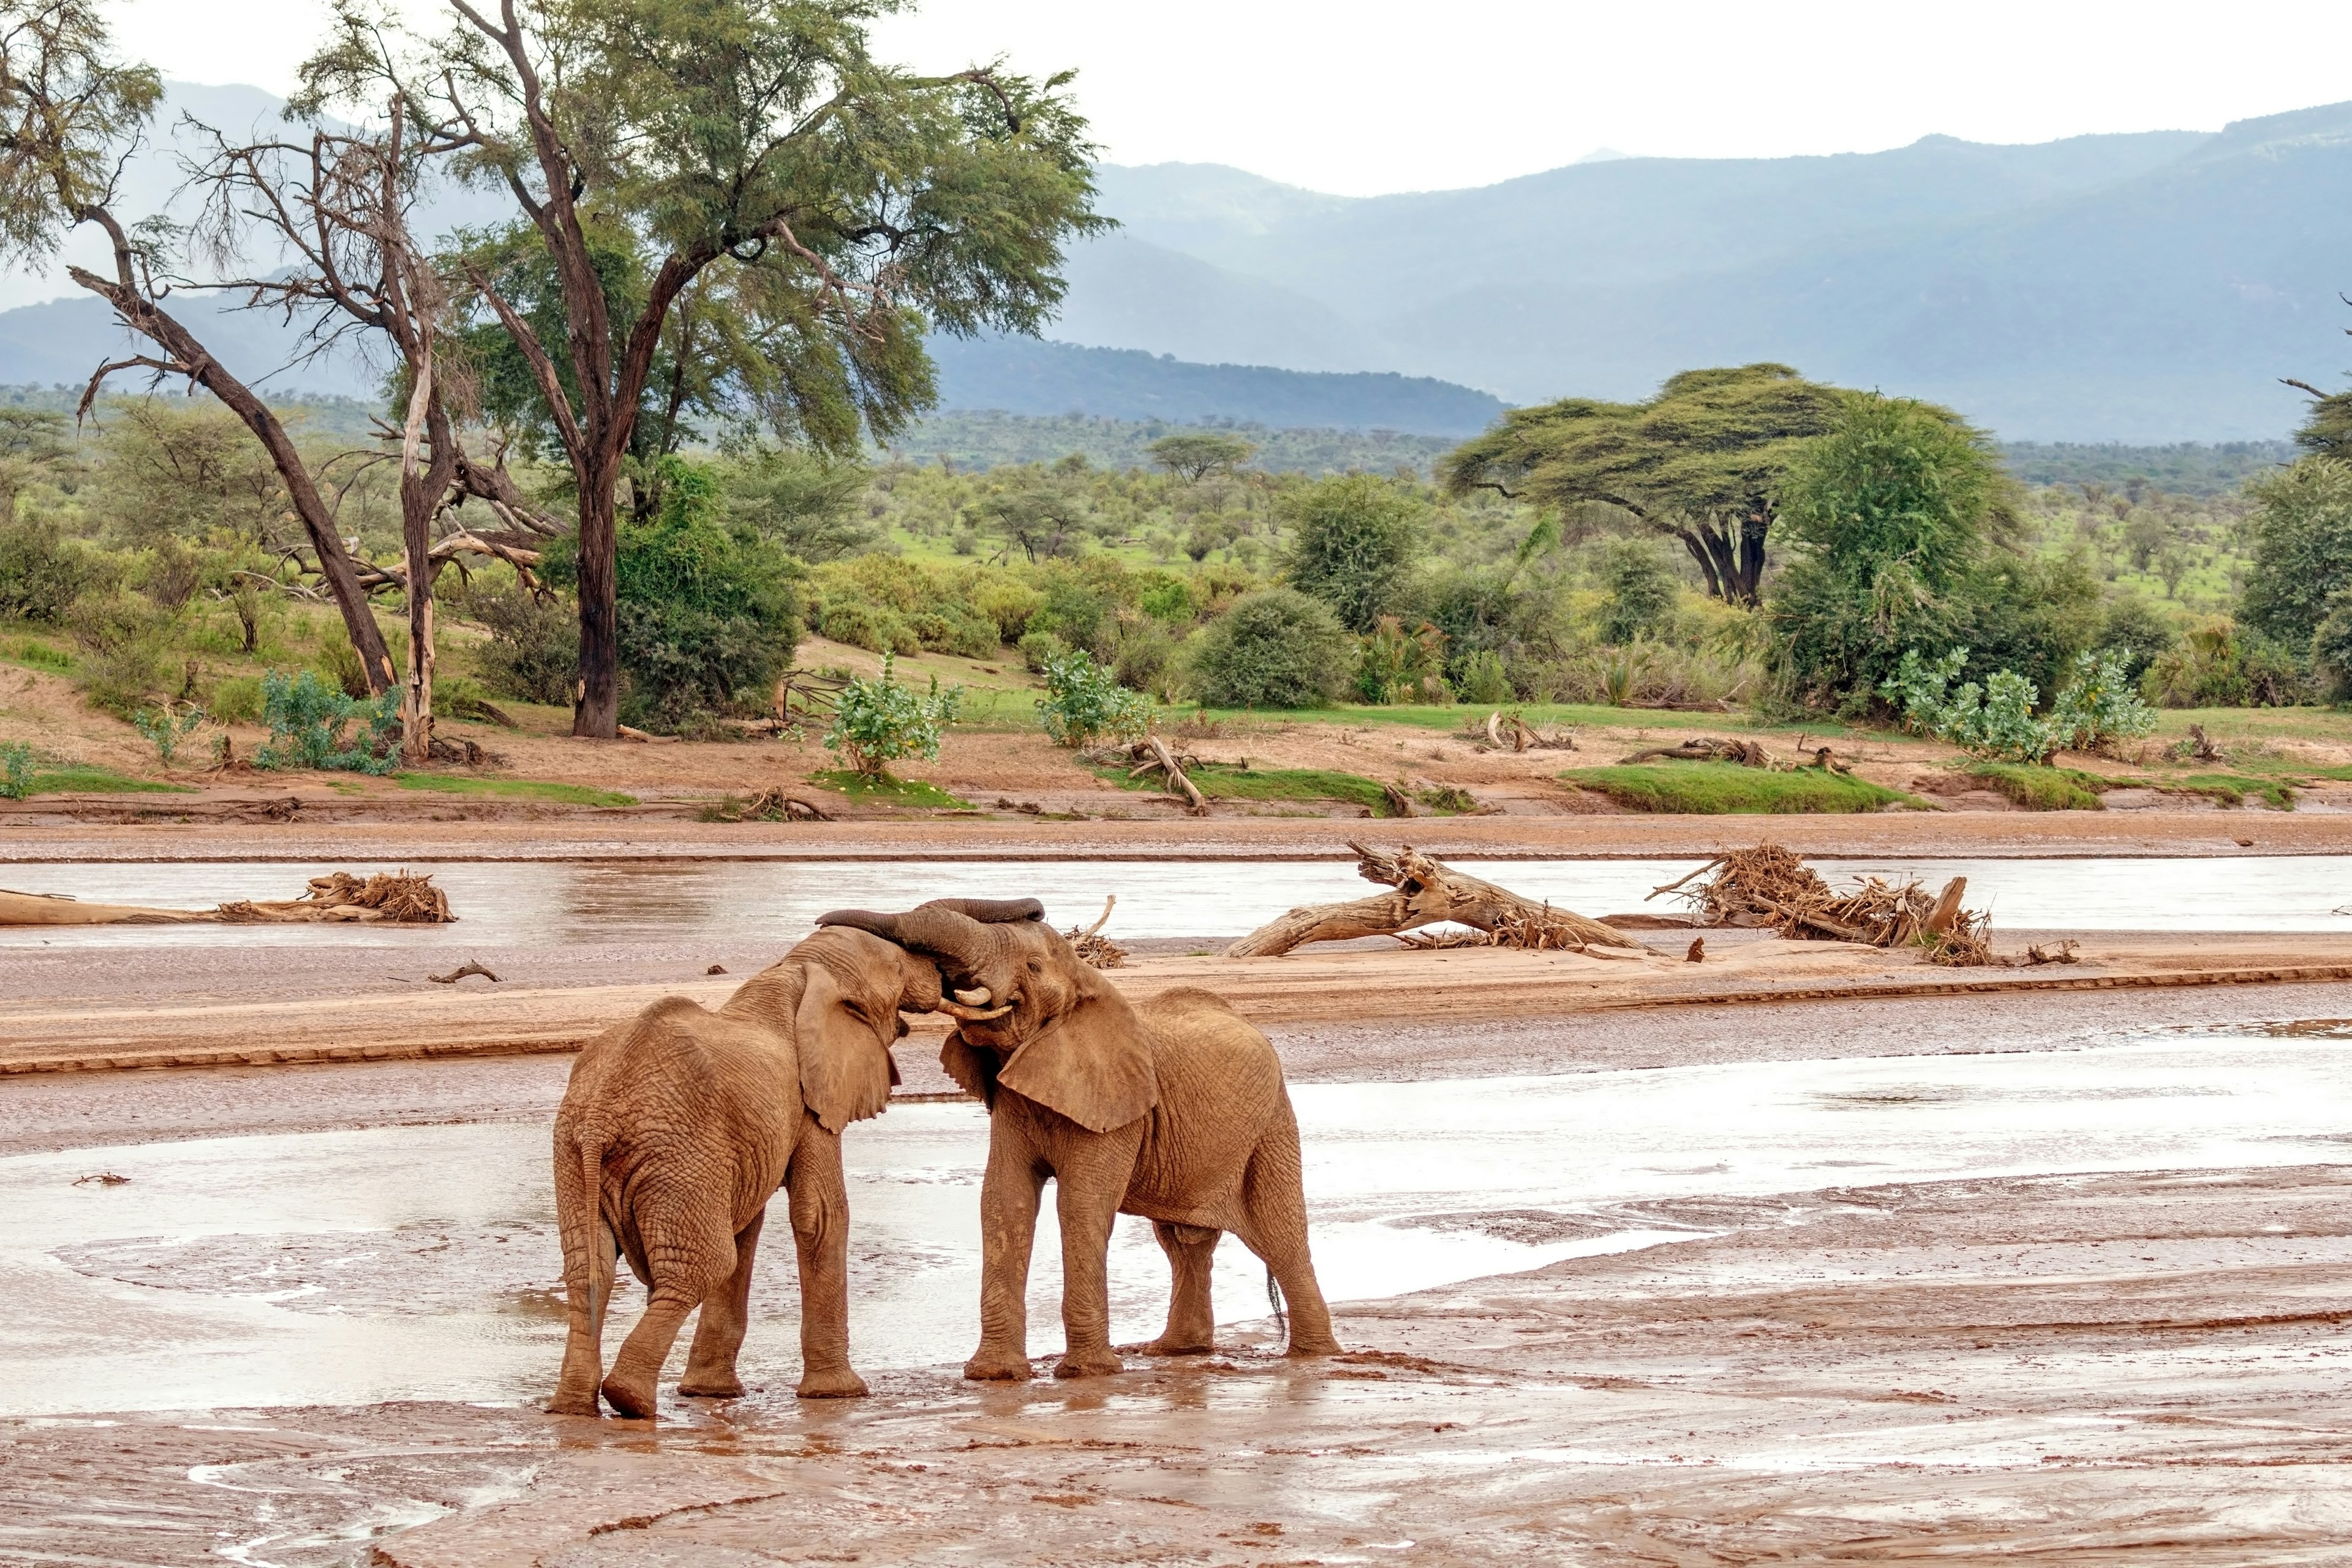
<point x="1692" y="542"/>
<point x="596" y="708"/>
<point x="1427" y="891"/>
<point x="423" y="485"/>
<point x="151" y="322"/>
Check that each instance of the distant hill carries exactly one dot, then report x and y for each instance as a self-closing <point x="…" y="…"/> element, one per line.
<point x="2146" y="288"/>
<point x="1023" y="375"/>
<point x="986" y="439"/>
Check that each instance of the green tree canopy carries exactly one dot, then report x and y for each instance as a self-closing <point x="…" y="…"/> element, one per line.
<point x="1354" y="538"/>
<point x="1700" y="462"/>
<point x="1197" y="454"/>
<point x="1278" y="648"/>
<point x="2302" y="528"/>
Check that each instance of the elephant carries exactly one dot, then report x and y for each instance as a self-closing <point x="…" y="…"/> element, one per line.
<point x="1174" y="1110"/>
<point x="674" y="1131"/>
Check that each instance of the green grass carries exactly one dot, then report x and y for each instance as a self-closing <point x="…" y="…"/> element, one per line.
<point x="99" y="780"/>
<point x="514" y="789"/>
<point x="1541" y="715"/>
<point x="2232" y="789"/>
<point x="888" y="790"/>
<point x="2038" y="788"/>
<point x="1228" y="781"/>
<point x="1715" y="789"/>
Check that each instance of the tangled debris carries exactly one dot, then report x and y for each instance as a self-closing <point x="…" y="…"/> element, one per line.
<point x="1151" y="755"/>
<point x="1769" y="886"/>
<point x="1508" y="732"/>
<point x="1093" y="946"/>
<point x="1426" y="892"/>
<point x="1746" y="754"/>
<point x="769" y="805"/>
<point x="394" y="896"/>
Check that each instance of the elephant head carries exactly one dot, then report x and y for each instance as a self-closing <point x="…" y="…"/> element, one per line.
<point x="1032" y="1016"/>
<point x="851" y="989"/>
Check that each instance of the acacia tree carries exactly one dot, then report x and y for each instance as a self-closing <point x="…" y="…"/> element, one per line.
<point x="1699" y="462"/>
<point x="844" y="207"/>
<point x="71" y="115"/>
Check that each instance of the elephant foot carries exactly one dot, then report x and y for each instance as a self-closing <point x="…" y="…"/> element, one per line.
<point x="995" y="1366"/>
<point x="1316" y="1347"/>
<point x="1180" y="1344"/>
<point x="1089" y="1364"/>
<point x="573" y="1405"/>
<point x="831" y="1383"/>
<point x="728" y="1386"/>
<point x="629" y="1399"/>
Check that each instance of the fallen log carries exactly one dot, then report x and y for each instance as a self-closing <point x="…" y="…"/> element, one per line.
<point x="392" y="898"/>
<point x="1768" y="885"/>
<point x="1746" y="754"/>
<point x="1427" y="891"/>
<point x="1151" y="755"/>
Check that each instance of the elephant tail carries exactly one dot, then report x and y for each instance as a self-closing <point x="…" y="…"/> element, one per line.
<point x="579" y="1208"/>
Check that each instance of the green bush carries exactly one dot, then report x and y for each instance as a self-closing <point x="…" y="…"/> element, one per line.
<point x="2099" y="707"/>
<point x="2331" y="648"/>
<point x="341" y="663"/>
<point x="2221" y="665"/>
<point x="876" y="722"/>
<point x="2302" y="531"/>
<point x="309" y="721"/>
<point x="15" y="770"/>
<point x="1082" y="703"/>
<point x="1994" y="721"/>
<point x="1640" y="591"/>
<point x="533" y="652"/>
<point x="166" y="728"/>
<point x="123" y="640"/>
<point x="1146" y="660"/>
<point x="1278" y="648"/>
<point x="1039" y="650"/>
<point x="43" y="572"/>
<point x="1393" y="665"/>
<point x="861" y="623"/>
<point x="237" y="701"/>
<point x="1353" y="539"/>
<point x="1712" y="789"/>
<point x="1483" y="678"/>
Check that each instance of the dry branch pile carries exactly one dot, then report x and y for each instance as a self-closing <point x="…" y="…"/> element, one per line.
<point x="1151" y="755"/>
<point x="394" y="896"/>
<point x="1093" y="946"/>
<point x="1426" y="892"/>
<point x="1508" y="732"/>
<point x="1746" y="754"/>
<point x="1769" y="886"/>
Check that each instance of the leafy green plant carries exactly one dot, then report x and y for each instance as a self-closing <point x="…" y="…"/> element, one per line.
<point x="1082" y="702"/>
<point x="166" y="727"/>
<point x="2099" y="707"/>
<point x="876" y="722"/>
<point x="15" y="770"/>
<point x="889" y="791"/>
<point x="307" y="721"/>
<point x="1994" y="721"/>
<point x="1395" y="665"/>
<point x="1482" y="678"/>
<point x="1274" y="649"/>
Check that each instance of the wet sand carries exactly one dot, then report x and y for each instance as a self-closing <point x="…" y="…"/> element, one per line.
<point x="2078" y="1369"/>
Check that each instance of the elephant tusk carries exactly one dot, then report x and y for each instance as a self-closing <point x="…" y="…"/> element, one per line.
<point x="976" y="998"/>
<point x="972" y="1014"/>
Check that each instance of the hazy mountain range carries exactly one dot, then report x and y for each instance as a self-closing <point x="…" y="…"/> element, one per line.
<point x="2144" y="288"/>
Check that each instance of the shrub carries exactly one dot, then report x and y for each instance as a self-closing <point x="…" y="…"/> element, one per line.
<point x="861" y="623"/>
<point x="1640" y="589"/>
<point x="1082" y="702"/>
<point x="15" y="770"/>
<point x="342" y="664"/>
<point x="1483" y="678"/>
<point x="533" y="652"/>
<point x="1994" y="721"/>
<point x="2302" y="531"/>
<point x="237" y="701"/>
<point x="1040" y="649"/>
<point x="307" y="721"/>
<point x="2220" y="665"/>
<point x="1278" y="648"/>
<point x="1393" y="665"/>
<point x="876" y="722"/>
<point x="2331" y="648"/>
<point x="166" y="727"/>
<point x="2099" y="707"/>
<point x="42" y="572"/>
<point x="1353" y="541"/>
<point x="1146" y="660"/>
<point x="122" y="640"/>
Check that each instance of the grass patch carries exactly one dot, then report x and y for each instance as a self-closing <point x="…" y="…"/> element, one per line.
<point x="1717" y="789"/>
<point x="1542" y="715"/>
<point x="2038" y="788"/>
<point x="38" y="655"/>
<point x="890" y="790"/>
<point x="99" y="781"/>
<point x="2232" y="789"/>
<point x="514" y="789"/>
<point x="1229" y="780"/>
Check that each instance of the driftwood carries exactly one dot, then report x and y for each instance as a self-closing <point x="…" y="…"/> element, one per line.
<point x="1091" y="945"/>
<point x="1151" y="755"/>
<point x="389" y="898"/>
<point x="1426" y="892"/>
<point x="1508" y="732"/>
<point x="471" y="966"/>
<point x="641" y="737"/>
<point x="1746" y="754"/>
<point x="1769" y="886"/>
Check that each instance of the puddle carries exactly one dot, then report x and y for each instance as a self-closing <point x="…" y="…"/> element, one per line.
<point x="542" y="902"/>
<point x="420" y="1262"/>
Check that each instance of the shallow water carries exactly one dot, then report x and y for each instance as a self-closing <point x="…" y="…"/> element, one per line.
<point x="421" y="1262"/>
<point x="523" y="903"/>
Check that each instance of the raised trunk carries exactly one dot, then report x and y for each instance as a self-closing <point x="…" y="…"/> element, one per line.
<point x="151" y="322"/>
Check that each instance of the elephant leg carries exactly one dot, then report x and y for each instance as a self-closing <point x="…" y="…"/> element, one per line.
<point x="820" y="1206"/>
<point x="718" y="1333"/>
<point x="1191" y="1314"/>
<point x="590" y="1294"/>
<point x="1009" y="1195"/>
<point x="1275" y="1201"/>
<point x="1086" y="1197"/>
<point x="690" y="1256"/>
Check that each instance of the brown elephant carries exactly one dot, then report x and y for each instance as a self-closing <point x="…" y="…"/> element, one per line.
<point x="1175" y="1111"/>
<point x="678" y="1126"/>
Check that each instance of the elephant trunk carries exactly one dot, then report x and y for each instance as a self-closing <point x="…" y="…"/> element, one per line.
<point x="989" y="911"/>
<point x="956" y="937"/>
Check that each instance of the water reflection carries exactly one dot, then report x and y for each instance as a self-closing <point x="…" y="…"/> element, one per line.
<point x="525" y="902"/>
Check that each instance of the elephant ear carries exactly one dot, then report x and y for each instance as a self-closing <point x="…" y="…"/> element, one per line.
<point x="845" y="1071"/>
<point x="1093" y="1065"/>
<point x="974" y="1071"/>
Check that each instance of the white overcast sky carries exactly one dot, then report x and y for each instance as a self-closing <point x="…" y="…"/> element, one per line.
<point x="1373" y="96"/>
